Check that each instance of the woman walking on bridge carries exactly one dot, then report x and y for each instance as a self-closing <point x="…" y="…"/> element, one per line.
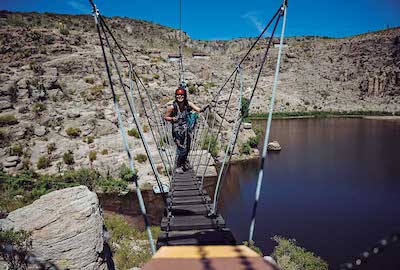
<point x="182" y="119"/>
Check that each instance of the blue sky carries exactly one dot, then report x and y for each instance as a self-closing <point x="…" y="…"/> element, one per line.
<point x="225" y="19"/>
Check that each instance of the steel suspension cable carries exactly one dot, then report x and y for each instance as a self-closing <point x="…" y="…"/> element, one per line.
<point x="122" y="131"/>
<point x="136" y="119"/>
<point x="251" y="97"/>
<point x="268" y="128"/>
<point x="220" y="125"/>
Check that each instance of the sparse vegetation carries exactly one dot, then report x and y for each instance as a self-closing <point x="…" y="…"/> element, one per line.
<point x="39" y="107"/>
<point x="16" y="149"/>
<point x="89" y="80"/>
<point x="145" y="128"/>
<point x="134" y="133"/>
<point x="8" y="120"/>
<point x="245" y="107"/>
<point x="68" y="157"/>
<point x="92" y="156"/>
<point x="89" y="139"/>
<point x="252" y="246"/>
<point x="156" y="76"/>
<point x="51" y="147"/>
<point x="29" y="185"/>
<point x="245" y="148"/>
<point x="104" y="152"/>
<point x="43" y="162"/>
<point x="290" y="256"/>
<point x="73" y="132"/>
<point x="64" y="31"/>
<point x="214" y="146"/>
<point x="141" y="158"/>
<point x="21" y="242"/>
<point x="122" y="238"/>
<point x="126" y="174"/>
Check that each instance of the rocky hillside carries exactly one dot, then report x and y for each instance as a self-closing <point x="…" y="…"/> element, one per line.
<point x="56" y="106"/>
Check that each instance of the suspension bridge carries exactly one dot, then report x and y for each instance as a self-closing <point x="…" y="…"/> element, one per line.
<point x="193" y="234"/>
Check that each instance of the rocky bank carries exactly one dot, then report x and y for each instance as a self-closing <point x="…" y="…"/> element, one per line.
<point x="53" y="81"/>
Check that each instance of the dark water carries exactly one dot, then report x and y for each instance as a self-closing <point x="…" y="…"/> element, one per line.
<point x="335" y="188"/>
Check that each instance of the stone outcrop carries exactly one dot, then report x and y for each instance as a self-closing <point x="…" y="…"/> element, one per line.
<point x="66" y="227"/>
<point x="274" y="146"/>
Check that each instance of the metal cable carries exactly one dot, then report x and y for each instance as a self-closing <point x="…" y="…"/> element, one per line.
<point x="268" y="128"/>
<point x="122" y="131"/>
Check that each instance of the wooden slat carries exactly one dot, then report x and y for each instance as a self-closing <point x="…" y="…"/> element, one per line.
<point x="203" y="237"/>
<point x="178" y="223"/>
<point x="185" y="193"/>
<point x="188" y="209"/>
<point x="189" y="200"/>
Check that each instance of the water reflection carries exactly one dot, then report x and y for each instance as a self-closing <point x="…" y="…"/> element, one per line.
<point x="334" y="187"/>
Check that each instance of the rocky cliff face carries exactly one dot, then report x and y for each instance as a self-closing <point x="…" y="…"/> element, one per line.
<point x="52" y="81"/>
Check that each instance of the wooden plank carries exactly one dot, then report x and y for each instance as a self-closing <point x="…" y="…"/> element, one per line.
<point x="185" y="193"/>
<point x="189" y="209"/>
<point x="216" y="257"/>
<point x="189" y="200"/>
<point x="184" y="187"/>
<point x="203" y="237"/>
<point x="181" y="223"/>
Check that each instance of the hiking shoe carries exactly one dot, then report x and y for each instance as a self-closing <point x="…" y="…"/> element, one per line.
<point x="187" y="166"/>
<point x="179" y="170"/>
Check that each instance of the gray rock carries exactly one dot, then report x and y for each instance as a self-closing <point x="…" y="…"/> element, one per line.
<point x="40" y="131"/>
<point x="66" y="227"/>
<point x="5" y="105"/>
<point x="13" y="159"/>
<point x="10" y="164"/>
<point x="73" y="114"/>
<point x="247" y="125"/>
<point x="274" y="146"/>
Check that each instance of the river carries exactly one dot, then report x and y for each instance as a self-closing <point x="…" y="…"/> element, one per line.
<point x="334" y="187"/>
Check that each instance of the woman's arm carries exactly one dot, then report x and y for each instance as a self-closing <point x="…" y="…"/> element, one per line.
<point x="194" y="107"/>
<point x="168" y="113"/>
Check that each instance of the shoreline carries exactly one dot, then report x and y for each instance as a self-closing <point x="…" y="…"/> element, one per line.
<point x="326" y="114"/>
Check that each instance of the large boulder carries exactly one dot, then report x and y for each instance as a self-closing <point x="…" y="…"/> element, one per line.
<point x="66" y="227"/>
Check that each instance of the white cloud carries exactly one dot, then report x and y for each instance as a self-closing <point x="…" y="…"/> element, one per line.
<point x="253" y="17"/>
<point x="79" y="6"/>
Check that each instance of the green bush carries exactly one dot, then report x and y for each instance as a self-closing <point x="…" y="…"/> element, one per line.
<point x="126" y="174"/>
<point x="89" y="139"/>
<point x="16" y="149"/>
<point x="156" y="76"/>
<point x="7" y="120"/>
<point x="192" y="88"/>
<point x="245" y="148"/>
<point x="253" y="141"/>
<point x="121" y="235"/>
<point x="39" y="107"/>
<point x="104" y="152"/>
<point x="43" y="162"/>
<point x="141" y="158"/>
<point x="134" y="133"/>
<point x="68" y="157"/>
<point x="252" y="246"/>
<point x="64" y="31"/>
<point x="51" y="147"/>
<point x="19" y="240"/>
<point x="290" y="256"/>
<point x="73" y="132"/>
<point x="214" y="146"/>
<point x="245" y="107"/>
<point x="92" y="156"/>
